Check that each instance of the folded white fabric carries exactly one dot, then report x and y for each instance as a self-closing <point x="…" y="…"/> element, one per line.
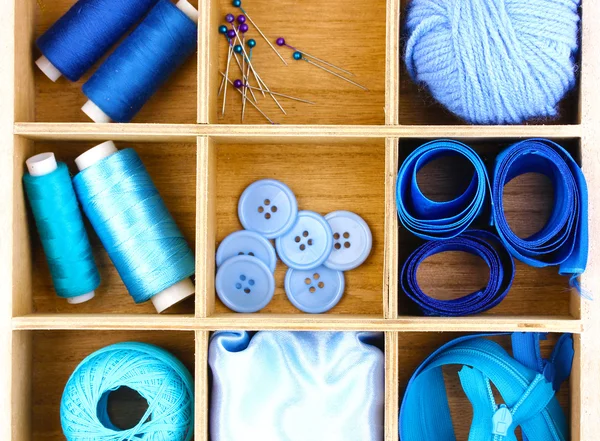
<point x="296" y="386"/>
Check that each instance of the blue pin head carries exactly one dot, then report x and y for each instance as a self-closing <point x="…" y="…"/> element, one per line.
<point x="251" y="43"/>
<point x="297" y="55"/>
<point x="238" y="49"/>
<point x="236" y="3"/>
<point x="222" y="29"/>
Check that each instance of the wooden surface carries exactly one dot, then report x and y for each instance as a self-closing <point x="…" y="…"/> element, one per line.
<point x="342" y="152"/>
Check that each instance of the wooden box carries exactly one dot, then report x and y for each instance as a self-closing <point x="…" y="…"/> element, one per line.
<point x="342" y="153"/>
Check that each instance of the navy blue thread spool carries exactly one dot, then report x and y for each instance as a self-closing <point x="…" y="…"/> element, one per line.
<point x="130" y="218"/>
<point x="85" y="33"/>
<point x="60" y="224"/>
<point x="142" y="63"/>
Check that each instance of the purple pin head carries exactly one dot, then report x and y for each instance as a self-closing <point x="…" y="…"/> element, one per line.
<point x="280" y="41"/>
<point x="231" y="33"/>
<point x="229" y="18"/>
<point x="243" y="28"/>
<point x="241" y="19"/>
<point x="238" y="84"/>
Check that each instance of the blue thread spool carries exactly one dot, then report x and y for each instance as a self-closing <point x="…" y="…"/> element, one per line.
<point x="85" y="33"/>
<point x="60" y="224"/>
<point x="152" y="372"/>
<point x="134" y="225"/>
<point x="142" y="63"/>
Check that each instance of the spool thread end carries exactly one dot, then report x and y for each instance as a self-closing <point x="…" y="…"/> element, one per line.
<point x="41" y="164"/>
<point x="95" y="113"/>
<point x="95" y="154"/>
<point x="48" y="68"/>
<point x="189" y="10"/>
<point x="82" y="298"/>
<point x="173" y="294"/>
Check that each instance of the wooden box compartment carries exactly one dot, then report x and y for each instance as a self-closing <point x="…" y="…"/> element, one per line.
<point x="175" y="102"/>
<point x="414" y="348"/>
<point x="172" y="167"/>
<point x="47" y="359"/>
<point x="418" y="107"/>
<point x="349" y="35"/>
<point x="528" y="201"/>
<point x="325" y="176"/>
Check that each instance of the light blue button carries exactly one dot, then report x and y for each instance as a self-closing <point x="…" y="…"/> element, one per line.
<point x="268" y="207"/>
<point x="245" y="284"/>
<point x="352" y="240"/>
<point x="308" y="244"/>
<point x="314" y="291"/>
<point x="247" y="243"/>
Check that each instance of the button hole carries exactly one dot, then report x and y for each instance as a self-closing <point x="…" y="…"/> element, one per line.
<point x="305" y="234"/>
<point x="347" y="245"/>
<point x="267" y="202"/>
<point x="312" y="289"/>
<point x="251" y="282"/>
<point x="261" y="209"/>
<point x="316" y="276"/>
<point x="247" y="290"/>
<point x="302" y="247"/>
<point x="238" y="285"/>
<point x="268" y="216"/>
<point x="336" y="236"/>
<point x="346" y="235"/>
<point x="321" y="285"/>
<point x="310" y="242"/>
<point x="274" y="209"/>
<point x="297" y="239"/>
<point x="337" y="246"/>
<point x="242" y="277"/>
<point x="307" y="281"/>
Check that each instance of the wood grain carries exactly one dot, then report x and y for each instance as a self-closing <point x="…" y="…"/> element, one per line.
<point x="324" y="178"/>
<point x="354" y="38"/>
<point x="178" y="190"/>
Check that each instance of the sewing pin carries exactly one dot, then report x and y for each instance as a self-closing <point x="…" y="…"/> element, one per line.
<point x="281" y="42"/>
<point x="238" y="4"/>
<point x="251" y="45"/>
<point x="222" y="31"/>
<point x="256" y="75"/>
<point x="229" y="52"/>
<point x="249" y="100"/>
<point x="241" y="84"/>
<point x="298" y="56"/>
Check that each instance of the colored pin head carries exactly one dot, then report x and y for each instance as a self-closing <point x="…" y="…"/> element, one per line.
<point x="229" y="18"/>
<point x="231" y="33"/>
<point x="238" y="84"/>
<point x="222" y="29"/>
<point x="236" y="3"/>
<point x="241" y="19"/>
<point x="243" y="28"/>
<point x="251" y="43"/>
<point x="280" y="41"/>
<point x="238" y="49"/>
<point x="297" y="55"/>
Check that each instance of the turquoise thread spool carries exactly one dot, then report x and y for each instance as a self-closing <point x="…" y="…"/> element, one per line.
<point x="60" y="224"/>
<point x="146" y="250"/>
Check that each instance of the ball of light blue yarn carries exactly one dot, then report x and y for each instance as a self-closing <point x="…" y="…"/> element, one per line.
<point x="143" y="62"/>
<point x="85" y="33"/>
<point x="154" y="373"/>
<point x="62" y="232"/>
<point x="132" y="221"/>
<point x="494" y="61"/>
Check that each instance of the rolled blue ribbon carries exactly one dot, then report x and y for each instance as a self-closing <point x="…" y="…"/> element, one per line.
<point x="477" y="242"/>
<point x="429" y="219"/>
<point x="563" y="240"/>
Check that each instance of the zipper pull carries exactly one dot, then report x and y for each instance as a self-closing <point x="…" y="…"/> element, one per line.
<point x="501" y="421"/>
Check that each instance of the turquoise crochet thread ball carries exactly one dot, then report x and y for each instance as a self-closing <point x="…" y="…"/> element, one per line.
<point x="494" y="61"/>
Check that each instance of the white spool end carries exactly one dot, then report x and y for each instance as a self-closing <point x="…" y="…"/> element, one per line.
<point x="187" y="8"/>
<point x="42" y="164"/>
<point x="48" y="68"/>
<point x="95" y="154"/>
<point x="82" y="298"/>
<point x="172" y="295"/>
<point x="95" y="113"/>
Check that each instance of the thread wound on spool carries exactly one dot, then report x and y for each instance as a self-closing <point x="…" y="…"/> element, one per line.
<point x="85" y="33"/>
<point x="62" y="232"/>
<point x="494" y="62"/>
<point x="154" y="373"/>
<point x="140" y="235"/>
<point x="143" y="62"/>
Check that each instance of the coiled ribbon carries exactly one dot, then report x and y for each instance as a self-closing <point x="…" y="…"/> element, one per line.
<point x="63" y="235"/>
<point x="154" y="373"/>
<point x="132" y="221"/>
<point x="429" y="219"/>
<point x="564" y="239"/>
<point x="477" y="242"/>
<point x="528" y="393"/>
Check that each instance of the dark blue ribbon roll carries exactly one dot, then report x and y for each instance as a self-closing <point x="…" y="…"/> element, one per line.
<point x="477" y="242"/>
<point x="439" y="220"/>
<point x="564" y="239"/>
